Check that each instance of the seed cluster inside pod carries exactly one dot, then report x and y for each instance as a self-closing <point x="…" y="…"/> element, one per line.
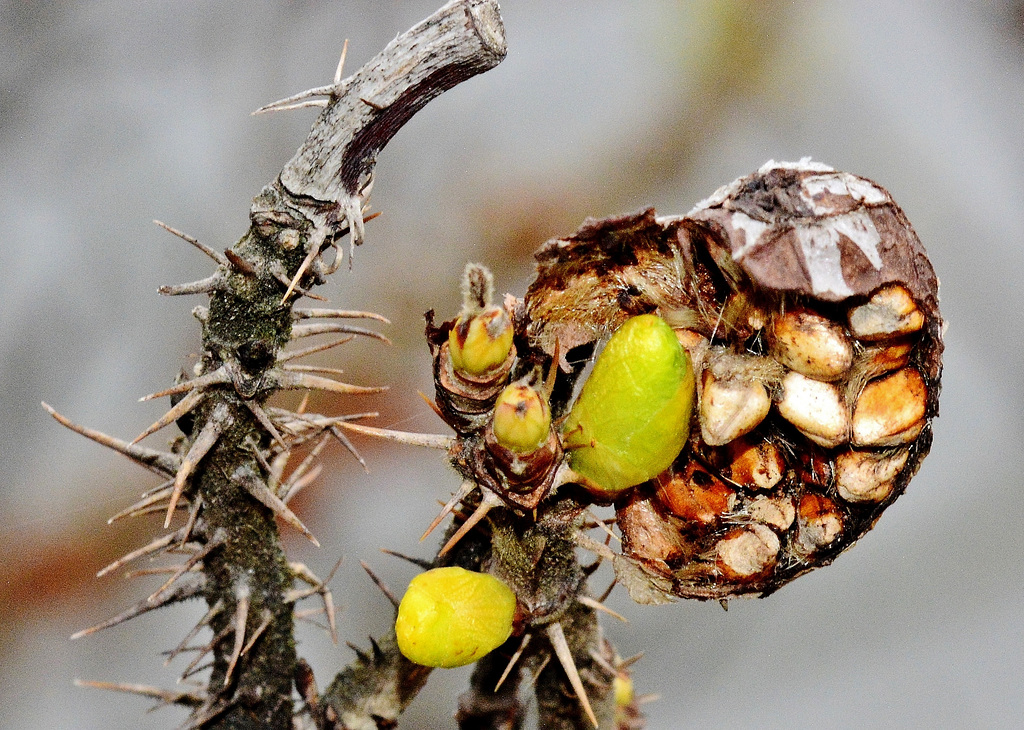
<point x="809" y="311"/>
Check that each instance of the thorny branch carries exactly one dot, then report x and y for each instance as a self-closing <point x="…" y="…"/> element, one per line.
<point x="229" y="474"/>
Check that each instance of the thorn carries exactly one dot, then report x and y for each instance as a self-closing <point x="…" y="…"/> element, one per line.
<point x="181" y="593"/>
<point x="182" y="407"/>
<point x="142" y="504"/>
<point x="564" y="654"/>
<point x="360" y="654"/>
<point x="267" y="617"/>
<point x="262" y="494"/>
<point x="292" y="381"/>
<point x="158" y="544"/>
<point x="322" y="328"/>
<point x="299" y="478"/>
<point x="549" y="381"/>
<point x="317" y="313"/>
<point x="377" y="653"/>
<point x="314" y="251"/>
<point x="429" y="440"/>
<point x="724" y="603"/>
<point x="513" y="660"/>
<point x="598" y="606"/>
<point x="490" y="501"/>
<point x="218" y="257"/>
<point x="461" y="493"/>
<point x="380" y="584"/>
<point x="211" y="283"/>
<point x="319" y="103"/>
<point x="433" y="406"/>
<point x="290" y="101"/>
<point x="193" y="513"/>
<point x="240" y="264"/>
<point x="540" y="668"/>
<point x="313" y="369"/>
<point x="157" y="461"/>
<point x="241" y="616"/>
<point x="349" y="446"/>
<point x="204" y="621"/>
<point x="214" y="377"/>
<point x="603" y="525"/>
<point x="295" y="354"/>
<point x="205" y="441"/>
<point x="607" y="591"/>
<point x="425" y="564"/>
<point x="264" y="419"/>
<point x="196" y="557"/>
<point x="191" y="699"/>
<point x="341" y="63"/>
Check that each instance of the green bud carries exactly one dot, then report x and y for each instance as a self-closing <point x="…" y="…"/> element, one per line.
<point x="522" y="419"/>
<point x="632" y="417"/>
<point x="450" y="617"/>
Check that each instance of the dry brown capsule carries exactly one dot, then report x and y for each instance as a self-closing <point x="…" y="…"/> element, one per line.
<point x="814" y="285"/>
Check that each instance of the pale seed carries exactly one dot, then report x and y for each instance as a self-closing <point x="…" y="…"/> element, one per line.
<point x="890" y="410"/>
<point x="816" y="409"/>
<point x="866" y="476"/>
<point x="730" y="408"/>
<point x="747" y="552"/>
<point x="777" y="512"/>
<point x="811" y="344"/>
<point x="890" y="311"/>
<point x="819" y="523"/>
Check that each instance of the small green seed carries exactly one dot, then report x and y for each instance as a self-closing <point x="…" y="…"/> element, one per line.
<point x="632" y="417"/>
<point x="450" y="617"/>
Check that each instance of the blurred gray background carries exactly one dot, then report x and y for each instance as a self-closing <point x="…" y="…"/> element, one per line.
<point x="112" y="114"/>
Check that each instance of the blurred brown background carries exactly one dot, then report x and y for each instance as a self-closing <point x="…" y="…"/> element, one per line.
<point x="112" y="114"/>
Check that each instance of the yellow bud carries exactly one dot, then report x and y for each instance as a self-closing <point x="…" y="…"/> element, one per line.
<point x="622" y="685"/>
<point x="481" y="342"/>
<point x="450" y="617"/>
<point x="522" y="420"/>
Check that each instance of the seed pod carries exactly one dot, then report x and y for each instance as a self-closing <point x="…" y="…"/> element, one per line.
<point x="798" y="267"/>
<point x="816" y="409"/>
<point x="632" y="416"/>
<point x="450" y="617"/>
<point x="811" y="344"/>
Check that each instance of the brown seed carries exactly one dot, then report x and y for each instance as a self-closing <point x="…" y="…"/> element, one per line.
<point x="890" y="311"/>
<point x="816" y="409"/>
<point x="866" y="476"/>
<point x="890" y="410"/>
<point x="730" y="408"/>
<point x="819" y="523"/>
<point x="777" y="512"/>
<point x="811" y="344"/>
<point x="694" y="495"/>
<point x="753" y="464"/>
<point x="648" y="533"/>
<point x="747" y="553"/>
<point x="878" y="360"/>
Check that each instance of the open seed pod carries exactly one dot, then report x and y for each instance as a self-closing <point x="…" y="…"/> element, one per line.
<point x="809" y="310"/>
